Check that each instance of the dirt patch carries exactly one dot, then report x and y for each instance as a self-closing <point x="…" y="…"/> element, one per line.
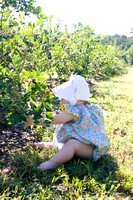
<point x="13" y="139"/>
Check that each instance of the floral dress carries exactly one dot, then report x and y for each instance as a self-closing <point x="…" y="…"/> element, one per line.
<point x="89" y="128"/>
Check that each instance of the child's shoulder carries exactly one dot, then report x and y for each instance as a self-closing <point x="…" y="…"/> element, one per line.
<point x="94" y="106"/>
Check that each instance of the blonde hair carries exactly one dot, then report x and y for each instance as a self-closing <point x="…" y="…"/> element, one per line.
<point x="81" y="102"/>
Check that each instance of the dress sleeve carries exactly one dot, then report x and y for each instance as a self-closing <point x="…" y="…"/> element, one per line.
<point x="71" y="109"/>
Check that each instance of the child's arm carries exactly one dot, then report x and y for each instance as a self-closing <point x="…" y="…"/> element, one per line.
<point x="64" y="117"/>
<point x="58" y="119"/>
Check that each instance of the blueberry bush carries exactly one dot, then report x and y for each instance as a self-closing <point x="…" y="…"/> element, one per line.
<point x="34" y="55"/>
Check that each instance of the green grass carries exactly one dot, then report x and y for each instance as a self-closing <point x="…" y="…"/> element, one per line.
<point x="109" y="178"/>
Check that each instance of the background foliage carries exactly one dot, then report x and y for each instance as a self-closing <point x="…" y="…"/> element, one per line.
<point x="35" y="55"/>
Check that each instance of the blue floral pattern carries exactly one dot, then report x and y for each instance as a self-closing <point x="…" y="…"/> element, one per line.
<point x="89" y="129"/>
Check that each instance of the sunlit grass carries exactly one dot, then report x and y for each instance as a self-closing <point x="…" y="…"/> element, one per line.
<point x="109" y="178"/>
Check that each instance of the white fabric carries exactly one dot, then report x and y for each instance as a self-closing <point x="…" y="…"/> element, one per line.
<point x="56" y="144"/>
<point x="74" y="89"/>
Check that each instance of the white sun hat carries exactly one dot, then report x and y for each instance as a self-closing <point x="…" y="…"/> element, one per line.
<point x="74" y="89"/>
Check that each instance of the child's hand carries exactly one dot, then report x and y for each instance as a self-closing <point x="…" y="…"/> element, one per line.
<point x="29" y="121"/>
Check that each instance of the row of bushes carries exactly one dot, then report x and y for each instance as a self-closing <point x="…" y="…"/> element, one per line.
<point x="35" y="54"/>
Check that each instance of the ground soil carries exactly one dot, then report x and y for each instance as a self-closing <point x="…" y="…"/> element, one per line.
<point x="13" y="139"/>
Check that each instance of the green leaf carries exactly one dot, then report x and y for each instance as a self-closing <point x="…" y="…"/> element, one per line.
<point x="39" y="108"/>
<point x="26" y="74"/>
<point x="26" y="97"/>
<point x="41" y="78"/>
<point x="38" y="111"/>
<point x="49" y="115"/>
<point x="3" y="71"/>
<point x="8" y="89"/>
<point x="34" y="98"/>
<point x="33" y="106"/>
<point x="47" y="121"/>
<point x="44" y="87"/>
<point x="37" y="121"/>
<point x="48" y="108"/>
<point x="14" y="118"/>
<point x="37" y="116"/>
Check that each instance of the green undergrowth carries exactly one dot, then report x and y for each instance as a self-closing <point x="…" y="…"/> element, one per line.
<point x="109" y="178"/>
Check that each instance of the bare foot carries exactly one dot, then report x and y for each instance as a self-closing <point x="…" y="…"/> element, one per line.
<point x="47" y="165"/>
<point x="42" y="145"/>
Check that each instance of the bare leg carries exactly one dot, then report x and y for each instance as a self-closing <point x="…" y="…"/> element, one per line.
<point x="42" y="145"/>
<point x="72" y="147"/>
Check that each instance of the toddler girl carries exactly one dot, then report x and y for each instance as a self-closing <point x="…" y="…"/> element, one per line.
<point x="80" y="130"/>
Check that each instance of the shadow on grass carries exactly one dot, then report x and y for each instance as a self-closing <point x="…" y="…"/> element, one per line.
<point x="103" y="171"/>
<point x="27" y="178"/>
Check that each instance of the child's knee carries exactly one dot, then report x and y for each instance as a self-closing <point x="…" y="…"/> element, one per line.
<point x="81" y="149"/>
<point x="73" y="143"/>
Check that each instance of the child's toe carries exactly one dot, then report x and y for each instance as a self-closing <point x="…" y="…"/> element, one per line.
<point x="47" y="165"/>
